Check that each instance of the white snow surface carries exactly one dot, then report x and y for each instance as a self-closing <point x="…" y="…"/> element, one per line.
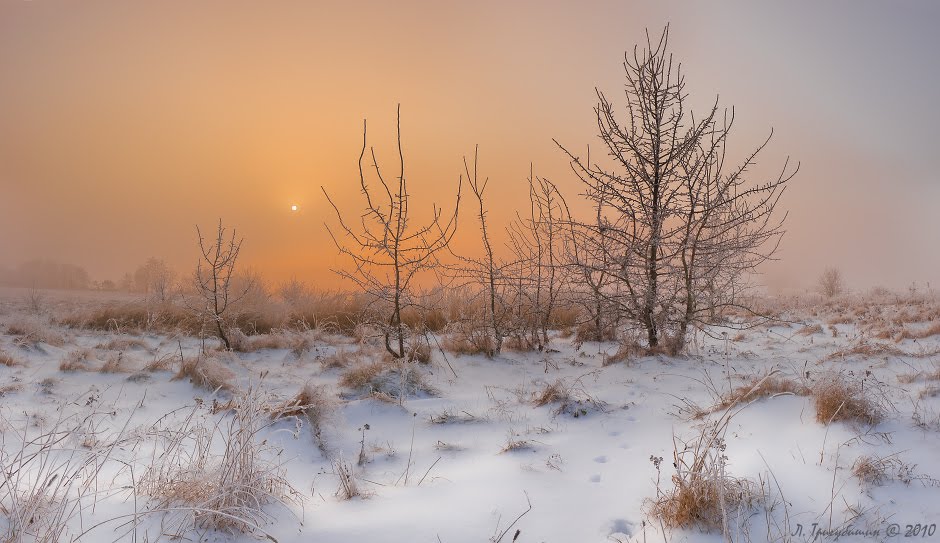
<point x="588" y="477"/>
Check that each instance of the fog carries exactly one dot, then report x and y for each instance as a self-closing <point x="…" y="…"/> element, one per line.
<point x="124" y="125"/>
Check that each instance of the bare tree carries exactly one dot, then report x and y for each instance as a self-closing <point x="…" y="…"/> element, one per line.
<point x="482" y="276"/>
<point x="681" y="230"/>
<point x="387" y="252"/>
<point x="155" y="279"/>
<point x="591" y="261"/>
<point x="214" y="276"/>
<point x="537" y="241"/>
<point x="831" y="283"/>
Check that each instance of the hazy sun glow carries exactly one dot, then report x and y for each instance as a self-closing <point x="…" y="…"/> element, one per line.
<point x="127" y="110"/>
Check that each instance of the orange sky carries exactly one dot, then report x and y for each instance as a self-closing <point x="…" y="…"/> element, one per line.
<point x="124" y="124"/>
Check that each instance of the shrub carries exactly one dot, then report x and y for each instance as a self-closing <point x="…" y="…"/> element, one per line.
<point x="831" y="283"/>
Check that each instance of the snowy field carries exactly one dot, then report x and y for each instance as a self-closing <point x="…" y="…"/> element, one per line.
<point x="823" y="427"/>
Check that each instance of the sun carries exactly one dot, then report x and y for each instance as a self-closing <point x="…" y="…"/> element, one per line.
<point x="293" y="207"/>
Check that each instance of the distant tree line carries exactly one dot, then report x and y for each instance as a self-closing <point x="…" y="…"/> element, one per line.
<point x="43" y="273"/>
<point x="153" y="277"/>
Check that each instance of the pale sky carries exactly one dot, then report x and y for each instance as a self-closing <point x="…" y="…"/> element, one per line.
<point x="124" y="124"/>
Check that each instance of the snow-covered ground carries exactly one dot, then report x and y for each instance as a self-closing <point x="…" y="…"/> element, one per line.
<point x="471" y="456"/>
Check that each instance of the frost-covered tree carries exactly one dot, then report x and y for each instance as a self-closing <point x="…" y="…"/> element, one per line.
<point x="679" y="228"/>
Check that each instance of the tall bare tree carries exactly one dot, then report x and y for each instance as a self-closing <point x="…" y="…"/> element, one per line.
<point x="386" y="250"/>
<point x="214" y="276"/>
<point x="680" y="229"/>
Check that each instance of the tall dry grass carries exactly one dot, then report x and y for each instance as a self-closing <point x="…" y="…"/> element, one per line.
<point x="219" y="475"/>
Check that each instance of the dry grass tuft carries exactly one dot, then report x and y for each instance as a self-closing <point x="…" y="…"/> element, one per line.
<point x="77" y="360"/>
<point x="136" y="316"/>
<point x="339" y="359"/>
<point x="348" y="487"/>
<point x="468" y="343"/>
<point x="515" y="443"/>
<point x="866" y="349"/>
<point x="761" y="388"/>
<point x="162" y="363"/>
<point x="627" y="351"/>
<point x="570" y="398"/>
<point x="8" y="389"/>
<point x="934" y="375"/>
<point x="878" y="470"/>
<point x="277" y="339"/>
<point x="419" y="352"/>
<point x="703" y="495"/>
<point x="361" y="376"/>
<point x="316" y="404"/>
<point x="114" y="363"/>
<point x="838" y="399"/>
<point x="587" y="331"/>
<point x="206" y="372"/>
<point x="30" y="332"/>
<point x="7" y="360"/>
<point x="124" y="344"/>
<point x="227" y="490"/>
<point x="810" y="329"/>
<point x="47" y="481"/>
<point x="930" y="330"/>
<point x="551" y="393"/>
<point x="929" y="392"/>
<point x="300" y="345"/>
<point x="391" y="379"/>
